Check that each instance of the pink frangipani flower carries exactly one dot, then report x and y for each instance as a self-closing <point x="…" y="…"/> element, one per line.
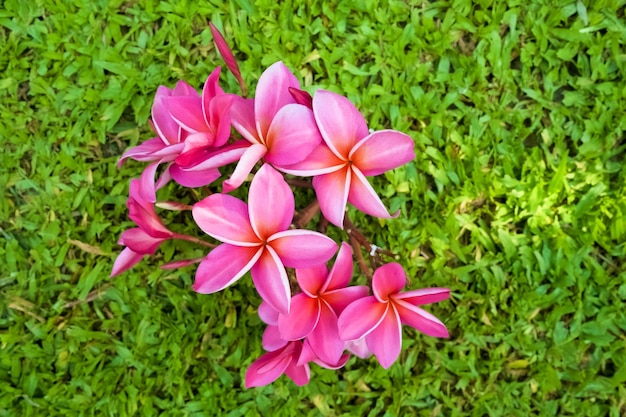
<point x="314" y="311"/>
<point x="256" y="238"/>
<point x="379" y="318"/>
<point x="280" y="131"/>
<point x="348" y="155"/>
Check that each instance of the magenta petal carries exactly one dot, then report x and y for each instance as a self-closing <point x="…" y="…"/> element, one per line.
<point x="187" y="111"/>
<point x="360" y="318"/>
<point x="225" y="218"/>
<point x="341" y="272"/>
<point x="340" y="298"/>
<point x="385" y="341"/>
<point x="312" y="279"/>
<point x="271" y="339"/>
<point x="302" y="248"/>
<point x="269" y="367"/>
<point x="147" y="190"/>
<point x="219" y="117"/>
<point x="300" y="375"/>
<point x="424" y="296"/>
<point x="382" y="151"/>
<point x="268" y="315"/>
<point x="319" y="162"/>
<point x="140" y="242"/>
<point x="359" y="348"/>
<point x="340" y="123"/>
<point x="272" y="93"/>
<point x="248" y="160"/>
<point x="324" y="339"/>
<point x="420" y="319"/>
<point x="332" y="192"/>
<point x="193" y="179"/>
<point x="201" y="161"/>
<point x="271" y="282"/>
<point x="271" y="202"/>
<point x="292" y="136"/>
<point x="223" y="266"/>
<point x="143" y="152"/>
<point x="301" y="97"/>
<point x="125" y="260"/>
<point x="363" y="197"/>
<point x="210" y="90"/>
<point x="228" y="56"/>
<point x="166" y="128"/>
<point x="388" y="279"/>
<point x="303" y="316"/>
<point x="242" y="118"/>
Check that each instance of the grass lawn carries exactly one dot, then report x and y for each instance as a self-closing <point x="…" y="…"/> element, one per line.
<point x="516" y="201"/>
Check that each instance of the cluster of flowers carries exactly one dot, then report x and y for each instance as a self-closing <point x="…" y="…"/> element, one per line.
<point x="282" y="131"/>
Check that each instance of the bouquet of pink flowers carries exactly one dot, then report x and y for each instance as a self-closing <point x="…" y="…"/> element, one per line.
<point x="312" y="312"/>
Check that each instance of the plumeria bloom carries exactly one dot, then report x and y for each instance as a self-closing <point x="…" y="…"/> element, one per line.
<point x="144" y="239"/>
<point x="191" y="129"/>
<point x="379" y="318"/>
<point x="280" y="131"/>
<point x="314" y="311"/>
<point x="256" y="238"/>
<point x="349" y="154"/>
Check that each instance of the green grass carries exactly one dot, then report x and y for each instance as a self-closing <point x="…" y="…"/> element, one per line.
<point x="516" y="201"/>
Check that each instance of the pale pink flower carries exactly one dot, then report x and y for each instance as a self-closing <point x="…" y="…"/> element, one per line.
<point x="349" y="154"/>
<point x="256" y="238"/>
<point x="379" y="318"/>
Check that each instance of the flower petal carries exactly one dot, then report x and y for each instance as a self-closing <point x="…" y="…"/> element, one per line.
<point x="225" y="155"/>
<point x="271" y="339"/>
<point x="227" y="55"/>
<point x="302" y="248"/>
<point x="270" y="203"/>
<point x="388" y="279"/>
<point x="272" y="93"/>
<point x="139" y="241"/>
<point x="242" y="118"/>
<point x="341" y="272"/>
<point x="299" y="374"/>
<point x="382" y="151"/>
<point x="125" y="260"/>
<point x="271" y="282"/>
<point x="340" y="298"/>
<point x="324" y="339"/>
<point x="267" y="314"/>
<point x="420" y="319"/>
<point x="219" y="117"/>
<point x="303" y="316"/>
<point x="193" y="179"/>
<point x="223" y="266"/>
<point x="359" y="348"/>
<point x="248" y="160"/>
<point x="423" y="296"/>
<point x="225" y="218"/>
<point x="332" y="192"/>
<point x="187" y="111"/>
<point x="269" y="367"/>
<point x="385" y="341"/>
<point x="360" y="318"/>
<point x="292" y="136"/>
<point x="319" y="162"/>
<point x="363" y="197"/>
<point x="312" y="279"/>
<point x="340" y="123"/>
<point x="147" y="190"/>
<point x="166" y="128"/>
<point x="143" y="152"/>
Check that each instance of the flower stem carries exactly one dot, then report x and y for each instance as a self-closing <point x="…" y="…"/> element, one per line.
<point x="194" y="240"/>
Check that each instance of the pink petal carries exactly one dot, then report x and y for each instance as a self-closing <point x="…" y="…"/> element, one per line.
<point x="242" y="118"/>
<point x="187" y="111"/>
<point x="340" y="123"/>
<point x="271" y="339"/>
<point x="312" y="279"/>
<point x="271" y="282"/>
<point x="359" y="348"/>
<point x="420" y="319"/>
<point x="341" y="272"/>
<point x="143" y="152"/>
<point x="332" y="192"/>
<point x="303" y="316"/>
<point x="388" y="279"/>
<point x="382" y="151"/>
<point x="219" y="117"/>
<point x="248" y="160"/>
<point x="225" y="218"/>
<point x="363" y="197"/>
<point x="166" y="128"/>
<point x="193" y="179"/>
<point x="302" y="248"/>
<point x="182" y="88"/>
<point x="125" y="260"/>
<point x="324" y="339"/>
<point x="194" y="144"/>
<point x="214" y="159"/>
<point x="360" y="318"/>
<point x="147" y="190"/>
<point x="227" y="55"/>
<point x="270" y="203"/>
<point x="210" y="90"/>
<point x="139" y="241"/>
<point x="301" y="97"/>
<point x="181" y="263"/>
<point x="292" y="136"/>
<point x="319" y="162"/>
<point x="300" y="375"/>
<point x="272" y="93"/>
<point x="385" y="341"/>
<point x="269" y="367"/>
<point x="268" y="315"/>
<point x="424" y="296"/>
<point x="340" y="298"/>
<point x="223" y="266"/>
